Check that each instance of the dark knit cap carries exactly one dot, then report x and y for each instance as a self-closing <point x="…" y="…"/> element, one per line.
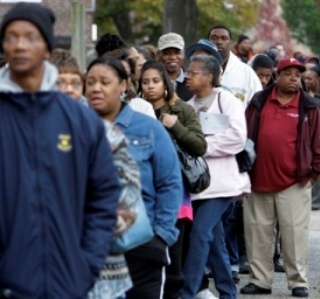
<point x="42" y="17"/>
<point x="241" y="38"/>
<point x="316" y="69"/>
<point x="263" y="61"/>
<point x="272" y="55"/>
<point x="312" y="59"/>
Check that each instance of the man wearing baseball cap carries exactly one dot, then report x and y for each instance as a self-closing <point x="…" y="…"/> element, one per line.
<point x="171" y="54"/>
<point x="283" y="121"/>
<point x="59" y="188"/>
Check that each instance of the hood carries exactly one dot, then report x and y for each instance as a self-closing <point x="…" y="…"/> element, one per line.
<point x="48" y="82"/>
<point x="83" y="100"/>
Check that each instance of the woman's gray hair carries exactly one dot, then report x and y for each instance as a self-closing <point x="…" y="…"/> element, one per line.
<point x="211" y="65"/>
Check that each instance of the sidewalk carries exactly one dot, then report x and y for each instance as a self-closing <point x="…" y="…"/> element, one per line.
<point x="280" y="289"/>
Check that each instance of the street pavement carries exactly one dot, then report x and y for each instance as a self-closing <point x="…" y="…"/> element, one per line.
<point x="280" y="289"/>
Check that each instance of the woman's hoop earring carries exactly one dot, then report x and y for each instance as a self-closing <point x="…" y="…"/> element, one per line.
<point x="142" y="96"/>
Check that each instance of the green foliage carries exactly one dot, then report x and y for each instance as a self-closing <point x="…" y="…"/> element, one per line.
<point x="237" y="15"/>
<point x="302" y="16"/>
<point x="102" y="17"/>
<point x="146" y="17"/>
<point x="132" y="19"/>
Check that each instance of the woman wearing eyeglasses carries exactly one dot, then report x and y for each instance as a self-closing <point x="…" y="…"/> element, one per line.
<point x="70" y="79"/>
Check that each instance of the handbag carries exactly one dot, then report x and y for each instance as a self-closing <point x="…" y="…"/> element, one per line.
<point x="195" y="170"/>
<point x="247" y="156"/>
<point x="137" y="234"/>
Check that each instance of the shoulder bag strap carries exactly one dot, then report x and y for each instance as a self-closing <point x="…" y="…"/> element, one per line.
<point x="219" y="103"/>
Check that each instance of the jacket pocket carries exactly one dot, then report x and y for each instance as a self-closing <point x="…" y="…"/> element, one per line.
<point x="84" y="277"/>
<point x="155" y="250"/>
<point x="89" y="276"/>
<point x="141" y="146"/>
<point x="2" y="252"/>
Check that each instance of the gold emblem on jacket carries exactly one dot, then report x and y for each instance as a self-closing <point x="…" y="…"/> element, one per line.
<point x="64" y="143"/>
<point x="240" y="96"/>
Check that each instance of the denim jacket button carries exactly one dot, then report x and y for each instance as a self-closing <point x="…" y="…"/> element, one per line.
<point x="135" y="142"/>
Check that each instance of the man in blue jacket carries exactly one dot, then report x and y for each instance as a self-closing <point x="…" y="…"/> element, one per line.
<point x="58" y="185"/>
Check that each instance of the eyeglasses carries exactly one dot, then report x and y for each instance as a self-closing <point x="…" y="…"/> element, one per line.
<point x="11" y="40"/>
<point x="194" y="73"/>
<point x="61" y="84"/>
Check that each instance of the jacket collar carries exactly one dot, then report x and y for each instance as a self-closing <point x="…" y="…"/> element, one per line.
<point x="232" y="62"/>
<point x="125" y="115"/>
<point x="260" y="98"/>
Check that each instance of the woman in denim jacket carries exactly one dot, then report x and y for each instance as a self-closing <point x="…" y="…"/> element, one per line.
<point x="182" y="123"/>
<point x="159" y="170"/>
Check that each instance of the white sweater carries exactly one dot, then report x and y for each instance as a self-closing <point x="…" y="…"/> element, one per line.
<point x="142" y="106"/>
<point x="226" y="180"/>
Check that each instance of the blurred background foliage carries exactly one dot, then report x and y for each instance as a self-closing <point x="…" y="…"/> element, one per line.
<point x="143" y="21"/>
<point x="303" y="18"/>
<point x="267" y="21"/>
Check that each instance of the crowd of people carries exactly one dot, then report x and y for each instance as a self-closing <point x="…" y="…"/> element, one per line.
<point x="80" y="147"/>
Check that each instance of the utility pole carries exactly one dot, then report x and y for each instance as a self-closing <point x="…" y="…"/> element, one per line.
<point x="78" y="35"/>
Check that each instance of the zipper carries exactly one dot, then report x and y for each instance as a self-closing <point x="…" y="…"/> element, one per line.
<point x="40" y="203"/>
<point x="299" y="146"/>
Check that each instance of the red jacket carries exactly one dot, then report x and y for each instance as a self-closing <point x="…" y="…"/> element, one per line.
<point x="308" y="145"/>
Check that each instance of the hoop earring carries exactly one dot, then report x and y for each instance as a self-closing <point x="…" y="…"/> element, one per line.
<point x="123" y="96"/>
<point x="142" y="96"/>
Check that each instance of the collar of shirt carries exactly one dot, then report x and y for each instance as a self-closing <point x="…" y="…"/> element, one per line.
<point x="293" y="103"/>
<point x="179" y="79"/>
<point x="125" y="115"/>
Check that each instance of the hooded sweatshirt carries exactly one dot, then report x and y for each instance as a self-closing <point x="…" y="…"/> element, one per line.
<point x="59" y="192"/>
<point x="48" y="82"/>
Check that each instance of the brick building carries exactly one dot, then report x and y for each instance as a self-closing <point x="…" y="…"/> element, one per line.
<point x="62" y="10"/>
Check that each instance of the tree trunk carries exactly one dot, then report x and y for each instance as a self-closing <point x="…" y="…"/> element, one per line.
<point x="180" y="16"/>
<point x="121" y="19"/>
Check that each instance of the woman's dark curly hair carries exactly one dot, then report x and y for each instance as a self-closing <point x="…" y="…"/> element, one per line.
<point x="109" y="42"/>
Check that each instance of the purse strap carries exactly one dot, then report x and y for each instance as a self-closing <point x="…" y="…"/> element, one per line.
<point x="219" y="103"/>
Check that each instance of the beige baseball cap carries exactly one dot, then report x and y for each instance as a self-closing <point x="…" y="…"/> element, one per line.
<point x="170" y="40"/>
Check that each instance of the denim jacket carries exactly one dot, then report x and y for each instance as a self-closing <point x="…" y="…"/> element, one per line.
<point x="160" y="173"/>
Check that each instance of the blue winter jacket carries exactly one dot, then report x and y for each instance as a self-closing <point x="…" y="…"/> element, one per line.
<point x="59" y="192"/>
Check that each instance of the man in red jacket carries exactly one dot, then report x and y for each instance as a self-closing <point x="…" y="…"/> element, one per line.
<point x="283" y="121"/>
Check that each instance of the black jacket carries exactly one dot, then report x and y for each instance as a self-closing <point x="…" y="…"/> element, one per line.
<point x="183" y="92"/>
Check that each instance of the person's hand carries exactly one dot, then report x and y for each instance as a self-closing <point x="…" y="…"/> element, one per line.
<point x="168" y="120"/>
<point x="312" y="182"/>
<point x="125" y="220"/>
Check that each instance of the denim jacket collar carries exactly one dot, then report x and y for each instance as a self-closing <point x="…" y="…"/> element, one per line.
<point x="125" y="115"/>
